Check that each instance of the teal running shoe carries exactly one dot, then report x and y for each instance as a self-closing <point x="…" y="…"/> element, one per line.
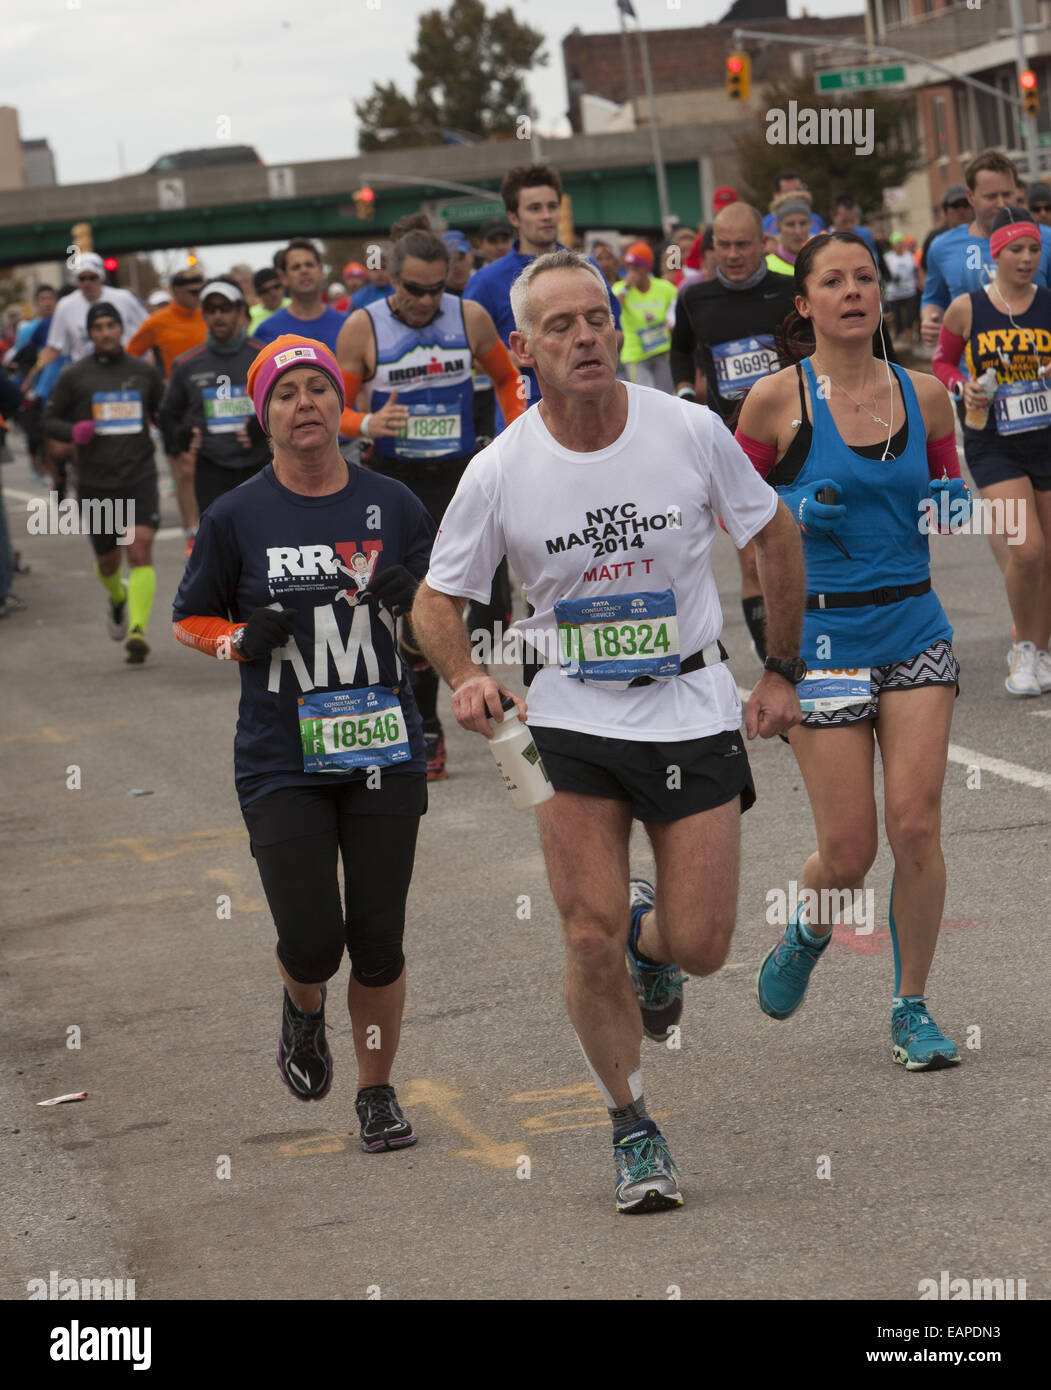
<point x="918" y="1041"/>
<point x="782" y="979"/>
<point x="646" y="1175"/>
<point x="658" y="988"/>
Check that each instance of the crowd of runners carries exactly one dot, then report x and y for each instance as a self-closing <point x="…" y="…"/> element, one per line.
<point x="367" y="471"/>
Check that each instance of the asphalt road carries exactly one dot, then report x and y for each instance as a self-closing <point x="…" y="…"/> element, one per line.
<point x="110" y="927"/>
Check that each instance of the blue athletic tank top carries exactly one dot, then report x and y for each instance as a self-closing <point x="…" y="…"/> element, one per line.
<point x="430" y="368"/>
<point x="882" y="531"/>
<point x="1015" y="352"/>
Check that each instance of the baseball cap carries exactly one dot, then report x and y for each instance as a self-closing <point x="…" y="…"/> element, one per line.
<point x="639" y="253"/>
<point x="224" y="288"/>
<point x="355" y="268"/>
<point x="158" y="299"/>
<point x="457" y="243"/>
<point x="955" y="193"/>
<point x="495" y="226"/>
<point x="723" y="197"/>
<point x="895" y="237"/>
<point x="91" y="261"/>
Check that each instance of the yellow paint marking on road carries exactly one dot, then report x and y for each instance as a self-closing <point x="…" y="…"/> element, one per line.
<point x="313" y="1145"/>
<point x="583" y="1088"/>
<point x="537" y="1125"/>
<point x="64" y="733"/>
<point x="148" y="851"/>
<point x="441" y="1101"/>
<point x="230" y="881"/>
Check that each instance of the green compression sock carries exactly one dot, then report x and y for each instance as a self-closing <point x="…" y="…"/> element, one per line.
<point x="142" y="585"/>
<point x="113" y="584"/>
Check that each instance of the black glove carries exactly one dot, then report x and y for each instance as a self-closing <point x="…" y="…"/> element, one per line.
<point x="395" y="587"/>
<point x="266" y="629"/>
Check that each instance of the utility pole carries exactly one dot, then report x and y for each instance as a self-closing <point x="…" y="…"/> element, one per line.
<point x="1026" y="123"/>
<point x="658" y="157"/>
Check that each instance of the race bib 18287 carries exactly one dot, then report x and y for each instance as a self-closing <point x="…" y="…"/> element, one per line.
<point x="430" y="431"/>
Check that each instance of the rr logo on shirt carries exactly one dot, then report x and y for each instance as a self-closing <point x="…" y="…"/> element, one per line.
<point x="306" y="560"/>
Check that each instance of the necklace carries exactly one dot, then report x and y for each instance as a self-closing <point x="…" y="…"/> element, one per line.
<point x="857" y="404"/>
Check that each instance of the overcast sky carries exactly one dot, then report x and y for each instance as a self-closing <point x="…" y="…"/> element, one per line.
<point x="113" y="84"/>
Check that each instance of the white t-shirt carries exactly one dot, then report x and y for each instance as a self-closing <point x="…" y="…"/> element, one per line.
<point x="68" y="333"/>
<point x="903" y="271"/>
<point x="672" y="471"/>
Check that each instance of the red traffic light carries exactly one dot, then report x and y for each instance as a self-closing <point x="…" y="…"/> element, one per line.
<point x="734" y="65"/>
<point x="366" y="195"/>
<point x="110" y="264"/>
<point x="1027" y="80"/>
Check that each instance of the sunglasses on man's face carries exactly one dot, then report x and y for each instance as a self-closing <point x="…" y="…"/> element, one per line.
<point x="269" y="289"/>
<point x="959" y="207"/>
<point x="1040" y="207"/>
<point x="84" y="278"/>
<point x="188" y="284"/>
<point x="423" y="291"/>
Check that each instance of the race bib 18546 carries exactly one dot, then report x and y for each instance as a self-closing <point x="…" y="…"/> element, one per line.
<point x="344" y="729"/>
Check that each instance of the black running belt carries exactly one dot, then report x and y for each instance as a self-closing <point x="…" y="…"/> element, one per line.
<point x="692" y="663"/>
<point x="530" y="666"/>
<point x="878" y="598"/>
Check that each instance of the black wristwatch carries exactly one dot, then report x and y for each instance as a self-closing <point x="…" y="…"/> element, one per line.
<point x="237" y="641"/>
<point x="794" y="670"/>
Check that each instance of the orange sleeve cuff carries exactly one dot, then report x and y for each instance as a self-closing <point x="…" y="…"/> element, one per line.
<point x="209" y="635"/>
<point x="350" y="423"/>
<point x="497" y="364"/>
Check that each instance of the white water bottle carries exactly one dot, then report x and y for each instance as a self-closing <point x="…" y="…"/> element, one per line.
<point x="518" y="759"/>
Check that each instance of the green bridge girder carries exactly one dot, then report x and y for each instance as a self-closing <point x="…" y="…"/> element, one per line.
<point x="601" y="198"/>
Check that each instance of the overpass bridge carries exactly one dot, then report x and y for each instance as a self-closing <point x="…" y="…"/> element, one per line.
<point x="610" y="179"/>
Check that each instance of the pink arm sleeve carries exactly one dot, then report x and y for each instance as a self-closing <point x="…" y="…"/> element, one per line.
<point x="762" y="455"/>
<point x="945" y="363"/>
<point x="942" y="458"/>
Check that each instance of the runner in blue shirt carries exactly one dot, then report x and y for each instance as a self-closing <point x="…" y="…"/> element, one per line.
<point x="875" y="636"/>
<point x="532" y="194"/>
<point x="308" y="315"/>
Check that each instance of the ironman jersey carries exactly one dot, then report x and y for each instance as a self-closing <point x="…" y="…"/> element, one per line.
<point x="430" y="368"/>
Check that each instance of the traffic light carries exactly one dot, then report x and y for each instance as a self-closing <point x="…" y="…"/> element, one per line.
<point x="110" y="264"/>
<point x="364" y="204"/>
<point x="1030" y="95"/>
<point x="738" y="77"/>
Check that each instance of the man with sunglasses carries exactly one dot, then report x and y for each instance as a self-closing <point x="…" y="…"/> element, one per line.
<point x="207" y="411"/>
<point x="308" y="316"/>
<point x="271" y="291"/>
<point x="413" y="352"/>
<point x="177" y="326"/>
<point x="1040" y="204"/>
<point x="956" y="212"/>
<point x="68" y="335"/>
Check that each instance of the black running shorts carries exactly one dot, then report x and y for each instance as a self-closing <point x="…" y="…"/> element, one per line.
<point x="998" y="458"/>
<point x="115" y="504"/>
<point x="663" y="782"/>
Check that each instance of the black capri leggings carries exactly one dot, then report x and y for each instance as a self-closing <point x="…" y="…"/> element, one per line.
<point x="297" y="835"/>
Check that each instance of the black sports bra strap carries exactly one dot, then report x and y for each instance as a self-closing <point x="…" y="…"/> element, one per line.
<point x="802" y="390"/>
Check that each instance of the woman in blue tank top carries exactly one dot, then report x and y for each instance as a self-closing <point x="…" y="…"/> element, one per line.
<point x="858" y="451"/>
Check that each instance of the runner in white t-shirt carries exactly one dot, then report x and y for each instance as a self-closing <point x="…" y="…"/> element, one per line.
<point x="604" y="499"/>
<point x="68" y="335"/>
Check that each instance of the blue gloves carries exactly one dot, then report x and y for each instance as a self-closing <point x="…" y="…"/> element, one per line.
<point x="953" y="509"/>
<point x="811" y="514"/>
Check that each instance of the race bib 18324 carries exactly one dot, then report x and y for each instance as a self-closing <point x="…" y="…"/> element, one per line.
<point x="619" y="636"/>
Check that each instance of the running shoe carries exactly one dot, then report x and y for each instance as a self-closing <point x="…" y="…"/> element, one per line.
<point x="434" y="747"/>
<point x="1023" y="678"/>
<point x="9" y="604"/>
<point x="658" y="988"/>
<point x="646" y="1176"/>
<point x="117" y="617"/>
<point x="303" y="1056"/>
<point x="1043" y="671"/>
<point x="918" y="1041"/>
<point x="136" y="648"/>
<point x="383" y="1126"/>
<point x="781" y="983"/>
